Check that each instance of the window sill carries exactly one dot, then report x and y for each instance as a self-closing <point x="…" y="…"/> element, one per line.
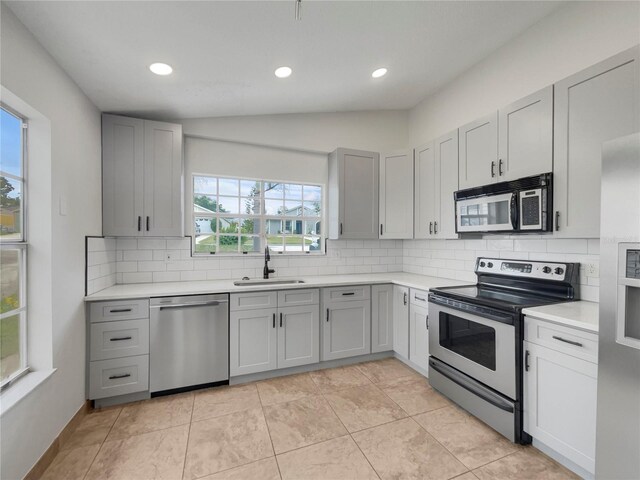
<point x="22" y="388"/>
<point x="256" y="255"/>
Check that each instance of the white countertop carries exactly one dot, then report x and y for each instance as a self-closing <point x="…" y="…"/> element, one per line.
<point x="581" y="314"/>
<point x="147" y="290"/>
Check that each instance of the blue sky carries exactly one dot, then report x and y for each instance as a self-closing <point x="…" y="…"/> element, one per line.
<point x="10" y="143"/>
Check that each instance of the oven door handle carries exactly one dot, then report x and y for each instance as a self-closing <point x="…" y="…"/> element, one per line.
<point x="472" y="386"/>
<point x="514" y="211"/>
<point x="485" y="312"/>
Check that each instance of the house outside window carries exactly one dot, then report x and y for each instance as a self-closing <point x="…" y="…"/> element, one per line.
<point x="243" y="216"/>
<point x="13" y="247"/>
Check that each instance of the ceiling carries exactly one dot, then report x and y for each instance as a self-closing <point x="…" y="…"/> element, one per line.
<point x="224" y="53"/>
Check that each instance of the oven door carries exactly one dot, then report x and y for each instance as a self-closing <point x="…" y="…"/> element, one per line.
<point x="481" y="347"/>
<point x="487" y="214"/>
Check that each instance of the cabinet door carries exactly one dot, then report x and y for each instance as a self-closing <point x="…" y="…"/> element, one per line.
<point x="253" y="341"/>
<point x="396" y="195"/>
<point x="526" y="136"/>
<point x="382" y="318"/>
<point x="419" y="336"/>
<point x="163" y="202"/>
<point x="560" y="403"/>
<point x="298" y="335"/>
<point x="346" y="329"/>
<point x="425" y="191"/>
<point x="401" y="321"/>
<point x="358" y="191"/>
<point x="479" y="152"/>
<point x="122" y="175"/>
<point x="598" y="104"/>
<point x="446" y="183"/>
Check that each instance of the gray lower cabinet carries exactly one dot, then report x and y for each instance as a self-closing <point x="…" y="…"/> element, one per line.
<point x="401" y="321"/>
<point x="419" y="335"/>
<point x="285" y="335"/>
<point x="346" y="330"/>
<point x="381" y="318"/>
<point x="118" y="342"/>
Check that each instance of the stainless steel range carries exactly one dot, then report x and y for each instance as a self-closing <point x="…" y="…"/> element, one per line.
<point x="476" y="334"/>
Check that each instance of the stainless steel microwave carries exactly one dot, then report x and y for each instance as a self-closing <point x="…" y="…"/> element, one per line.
<point x="518" y="206"/>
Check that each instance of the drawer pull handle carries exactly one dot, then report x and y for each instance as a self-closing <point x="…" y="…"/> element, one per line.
<point x="571" y="342"/>
<point x="346" y="294"/>
<point x="124" y="375"/>
<point x="120" y="310"/>
<point x="119" y="339"/>
<point x="422" y="299"/>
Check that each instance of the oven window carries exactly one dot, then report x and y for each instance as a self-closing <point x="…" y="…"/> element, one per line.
<point x="489" y="213"/>
<point x="472" y="340"/>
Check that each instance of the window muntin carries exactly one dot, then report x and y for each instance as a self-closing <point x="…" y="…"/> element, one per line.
<point x="13" y="248"/>
<point x="242" y="216"/>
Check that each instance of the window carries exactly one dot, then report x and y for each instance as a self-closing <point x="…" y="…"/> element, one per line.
<point x="13" y="309"/>
<point x="242" y="216"/>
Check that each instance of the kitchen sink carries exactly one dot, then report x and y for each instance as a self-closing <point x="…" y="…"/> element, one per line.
<point x="270" y="281"/>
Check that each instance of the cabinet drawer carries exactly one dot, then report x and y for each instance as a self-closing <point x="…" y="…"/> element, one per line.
<point x="419" y="297"/>
<point x="562" y="339"/>
<point x="118" y="376"/>
<point x="253" y="301"/>
<point x="119" y="310"/>
<point x="124" y="338"/>
<point x="294" y="298"/>
<point x="345" y="294"/>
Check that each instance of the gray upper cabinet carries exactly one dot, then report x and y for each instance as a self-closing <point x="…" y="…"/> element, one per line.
<point x="141" y="177"/>
<point x="436" y="179"/>
<point x="479" y="152"/>
<point x="595" y="105"/>
<point x="353" y="194"/>
<point x="396" y="195"/>
<point x="525" y="133"/>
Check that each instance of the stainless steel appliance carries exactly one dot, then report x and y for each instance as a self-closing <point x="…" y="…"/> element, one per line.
<point x="618" y="418"/>
<point x="476" y="334"/>
<point x="189" y="342"/>
<point x="523" y="205"/>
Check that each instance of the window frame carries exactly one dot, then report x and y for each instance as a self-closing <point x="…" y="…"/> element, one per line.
<point x="20" y="244"/>
<point x="262" y="217"/>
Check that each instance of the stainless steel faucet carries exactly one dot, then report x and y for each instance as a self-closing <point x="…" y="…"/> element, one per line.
<point x="266" y="271"/>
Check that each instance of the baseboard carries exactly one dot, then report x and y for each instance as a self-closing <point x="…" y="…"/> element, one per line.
<point x="50" y="453"/>
<point x="562" y="460"/>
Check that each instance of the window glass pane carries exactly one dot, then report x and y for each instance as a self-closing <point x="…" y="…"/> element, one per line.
<point x="312" y="227"/>
<point x="311" y="244"/>
<point x="10" y="143"/>
<point x="312" y="209"/>
<point x="250" y="205"/>
<point x="229" y="205"/>
<point x="293" y="208"/>
<point x="206" y="185"/>
<point x="205" y="243"/>
<point x="273" y="190"/>
<point x="204" y="225"/>
<point x="312" y="193"/>
<point x="249" y="188"/>
<point x="228" y="243"/>
<point x="228" y="186"/>
<point x="293" y="191"/>
<point x="204" y="204"/>
<point x="250" y="225"/>
<point x="250" y="243"/>
<point x="275" y="243"/>
<point x="228" y="225"/>
<point x="293" y="244"/>
<point x="10" y="209"/>
<point x="273" y="207"/>
<point x="10" y="279"/>
<point x="10" y="361"/>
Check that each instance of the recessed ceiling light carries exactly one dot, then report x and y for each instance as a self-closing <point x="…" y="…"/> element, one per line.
<point x="380" y="72"/>
<point x="283" y="72"/>
<point x="160" y="68"/>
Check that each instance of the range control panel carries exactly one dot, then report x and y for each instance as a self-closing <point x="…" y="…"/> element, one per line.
<point x="522" y="268"/>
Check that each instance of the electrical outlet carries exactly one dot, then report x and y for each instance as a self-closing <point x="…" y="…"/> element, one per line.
<point x="592" y="269"/>
<point x="168" y="257"/>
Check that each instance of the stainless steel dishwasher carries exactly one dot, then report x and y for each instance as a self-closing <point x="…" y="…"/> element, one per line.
<point x="189" y="342"/>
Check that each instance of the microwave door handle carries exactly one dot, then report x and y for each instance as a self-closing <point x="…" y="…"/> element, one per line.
<point x="514" y="210"/>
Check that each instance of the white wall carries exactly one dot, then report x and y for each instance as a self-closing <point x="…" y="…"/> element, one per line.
<point x="575" y="37"/>
<point x="31" y="74"/>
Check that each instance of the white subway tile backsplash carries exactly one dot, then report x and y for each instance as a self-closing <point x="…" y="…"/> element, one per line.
<point x="137" y="277"/>
<point x="567" y="245"/>
<point x="127" y="244"/>
<point x="123" y="267"/>
<point x="137" y="255"/>
<point x="152" y="244"/>
<point x="165" y="277"/>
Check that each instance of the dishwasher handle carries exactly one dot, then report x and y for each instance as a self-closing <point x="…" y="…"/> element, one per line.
<point x="186" y="305"/>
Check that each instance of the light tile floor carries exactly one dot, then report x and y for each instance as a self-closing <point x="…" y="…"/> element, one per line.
<point x="367" y="421"/>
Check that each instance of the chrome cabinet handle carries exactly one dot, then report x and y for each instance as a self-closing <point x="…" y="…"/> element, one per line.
<point x="274" y="320"/>
<point x="124" y="375"/>
<point x="500" y="172"/>
<point x="119" y="339"/>
<point x="426" y="321"/>
<point x="120" y="310"/>
<point x="435" y="228"/>
<point x="571" y="342"/>
<point x="327" y="314"/>
<point x="526" y="361"/>
<point x="493" y="169"/>
<point x="422" y="299"/>
<point x="280" y="319"/>
<point x="405" y="298"/>
<point x="557" y="220"/>
<point x="430" y="228"/>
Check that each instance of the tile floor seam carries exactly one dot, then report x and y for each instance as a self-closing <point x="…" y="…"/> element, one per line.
<point x="186" y="448"/>
<point x="101" y="444"/>
<point x="273" y="448"/>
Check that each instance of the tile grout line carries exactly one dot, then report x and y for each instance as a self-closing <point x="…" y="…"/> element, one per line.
<point x="186" y="447"/>
<point x="102" y="444"/>
<point x="275" y="456"/>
